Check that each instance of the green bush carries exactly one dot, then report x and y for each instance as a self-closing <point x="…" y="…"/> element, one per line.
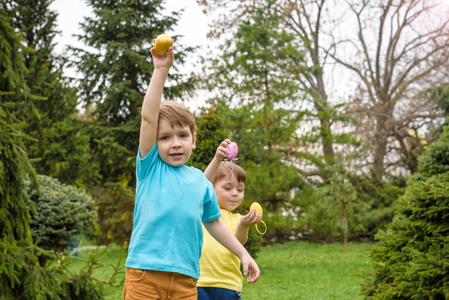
<point x="115" y="213"/>
<point x="411" y="259"/>
<point x="319" y="217"/>
<point x="63" y="211"/>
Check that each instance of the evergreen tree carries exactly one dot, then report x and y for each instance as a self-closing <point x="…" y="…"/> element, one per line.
<point x="59" y="149"/>
<point x="21" y="277"/>
<point x="210" y="134"/>
<point x="411" y="259"/>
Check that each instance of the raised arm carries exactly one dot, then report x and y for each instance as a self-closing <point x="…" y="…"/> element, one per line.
<point x="220" y="154"/>
<point x="152" y="100"/>
<point x="224" y="236"/>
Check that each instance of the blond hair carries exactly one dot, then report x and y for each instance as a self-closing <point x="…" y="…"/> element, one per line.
<point x="177" y="115"/>
<point x="227" y="168"/>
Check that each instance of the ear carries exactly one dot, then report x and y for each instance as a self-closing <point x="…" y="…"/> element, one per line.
<point x="194" y="141"/>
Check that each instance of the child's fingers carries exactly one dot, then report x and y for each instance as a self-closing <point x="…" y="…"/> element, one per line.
<point x="225" y="143"/>
<point x="245" y="269"/>
<point x="254" y="274"/>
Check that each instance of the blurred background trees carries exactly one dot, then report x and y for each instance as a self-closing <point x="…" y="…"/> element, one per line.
<point x="331" y="103"/>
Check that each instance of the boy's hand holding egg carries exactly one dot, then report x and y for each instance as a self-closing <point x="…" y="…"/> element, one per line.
<point x="256" y="206"/>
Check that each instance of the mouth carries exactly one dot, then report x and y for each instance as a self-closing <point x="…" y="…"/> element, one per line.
<point x="176" y="155"/>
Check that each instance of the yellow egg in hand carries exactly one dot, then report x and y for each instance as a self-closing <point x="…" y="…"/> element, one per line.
<point x="257" y="207"/>
<point x="162" y="43"/>
<point x="259" y="211"/>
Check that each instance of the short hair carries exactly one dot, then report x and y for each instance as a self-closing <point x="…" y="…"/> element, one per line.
<point x="227" y="168"/>
<point x="177" y="115"/>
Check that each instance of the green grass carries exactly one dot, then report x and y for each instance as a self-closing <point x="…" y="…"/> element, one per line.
<point x="300" y="270"/>
<point x="295" y="270"/>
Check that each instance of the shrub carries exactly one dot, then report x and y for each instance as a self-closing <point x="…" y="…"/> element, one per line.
<point x="411" y="259"/>
<point x="63" y="211"/>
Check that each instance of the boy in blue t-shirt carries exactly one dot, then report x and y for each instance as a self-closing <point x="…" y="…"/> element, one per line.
<point x="172" y="201"/>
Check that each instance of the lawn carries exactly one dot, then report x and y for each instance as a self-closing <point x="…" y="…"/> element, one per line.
<point x="294" y="270"/>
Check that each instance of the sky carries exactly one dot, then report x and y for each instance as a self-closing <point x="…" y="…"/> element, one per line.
<point x="193" y="26"/>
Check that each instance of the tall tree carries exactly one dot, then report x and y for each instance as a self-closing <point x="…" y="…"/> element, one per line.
<point x="315" y="151"/>
<point x="21" y="276"/>
<point x="257" y="104"/>
<point x="397" y="50"/>
<point x="59" y="150"/>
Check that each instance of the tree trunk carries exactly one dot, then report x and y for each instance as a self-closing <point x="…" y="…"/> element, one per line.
<point x="345" y="220"/>
<point x="380" y="143"/>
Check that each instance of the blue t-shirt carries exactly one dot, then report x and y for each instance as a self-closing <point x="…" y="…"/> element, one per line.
<point x="171" y="204"/>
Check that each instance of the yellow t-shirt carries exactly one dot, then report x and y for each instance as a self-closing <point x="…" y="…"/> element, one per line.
<point x="219" y="267"/>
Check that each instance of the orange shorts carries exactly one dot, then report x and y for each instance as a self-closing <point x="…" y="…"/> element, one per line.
<point x="148" y="284"/>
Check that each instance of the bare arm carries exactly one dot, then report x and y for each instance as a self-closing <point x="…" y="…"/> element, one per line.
<point x="152" y="100"/>
<point x="213" y="166"/>
<point x="224" y="236"/>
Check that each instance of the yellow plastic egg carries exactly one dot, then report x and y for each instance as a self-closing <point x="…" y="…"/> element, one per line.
<point x="259" y="211"/>
<point x="162" y="43"/>
<point x="257" y="207"/>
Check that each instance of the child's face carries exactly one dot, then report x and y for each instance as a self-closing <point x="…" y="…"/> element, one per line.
<point x="174" y="144"/>
<point x="230" y="192"/>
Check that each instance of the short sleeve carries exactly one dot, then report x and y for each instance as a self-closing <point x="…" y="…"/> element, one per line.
<point x="143" y="165"/>
<point x="211" y="209"/>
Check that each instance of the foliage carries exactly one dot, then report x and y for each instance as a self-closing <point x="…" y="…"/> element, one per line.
<point x="81" y="279"/>
<point x="62" y="151"/>
<point x="371" y="211"/>
<point x="57" y="149"/>
<point x="253" y="86"/>
<point x="340" y="196"/>
<point x="436" y="160"/>
<point x="63" y="211"/>
<point x="411" y="257"/>
<point x="20" y="275"/>
<point x="115" y="213"/>
<point x="378" y="199"/>
<point x="210" y="134"/>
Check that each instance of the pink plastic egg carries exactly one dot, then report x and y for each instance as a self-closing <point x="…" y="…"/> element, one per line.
<point x="233" y="151"/>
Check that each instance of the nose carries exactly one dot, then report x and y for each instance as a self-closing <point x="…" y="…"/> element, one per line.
<point x="176" y="143"/>
<point x="234" y="192"/>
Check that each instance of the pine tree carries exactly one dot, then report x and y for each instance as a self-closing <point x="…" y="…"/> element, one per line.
<point x="210" y="133"/>
<point x="411" y="259"/>
<point x="59" y="149"/>
<point x="21" y="277"/>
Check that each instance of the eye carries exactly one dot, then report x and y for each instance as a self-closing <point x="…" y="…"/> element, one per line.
<point x="227" y="188"/>
<point x="163" y="138"/>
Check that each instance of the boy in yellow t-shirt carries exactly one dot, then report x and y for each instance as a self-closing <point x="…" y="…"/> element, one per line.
<point x="220" y="276"/>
